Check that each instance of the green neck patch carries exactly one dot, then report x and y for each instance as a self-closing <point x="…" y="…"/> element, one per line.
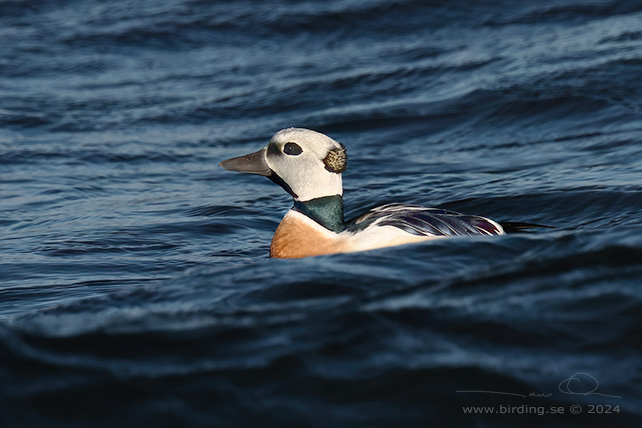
<point x="327" y="211"/>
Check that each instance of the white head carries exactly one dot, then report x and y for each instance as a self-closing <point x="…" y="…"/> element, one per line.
<point x="305" y="163"/>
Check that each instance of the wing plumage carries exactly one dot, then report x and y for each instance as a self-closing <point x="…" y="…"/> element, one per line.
<point x="422" y="221"/>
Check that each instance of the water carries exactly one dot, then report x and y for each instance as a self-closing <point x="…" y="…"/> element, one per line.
<point x="135" y="284"/>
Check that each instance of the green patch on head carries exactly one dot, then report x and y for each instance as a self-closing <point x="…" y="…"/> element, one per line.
<point x="273" y="149"/>
<point x="336" y="160"/>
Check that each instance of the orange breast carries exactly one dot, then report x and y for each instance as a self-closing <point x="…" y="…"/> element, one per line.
<point x="298" y="237"/>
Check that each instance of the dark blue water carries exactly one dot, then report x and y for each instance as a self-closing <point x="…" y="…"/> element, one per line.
<point x="135" y="287"/>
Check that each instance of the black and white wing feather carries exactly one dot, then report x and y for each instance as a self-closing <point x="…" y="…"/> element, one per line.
<point x="422" y="221"/>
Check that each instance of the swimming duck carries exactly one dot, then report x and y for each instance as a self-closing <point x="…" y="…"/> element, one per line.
<point x="308" y="165"/>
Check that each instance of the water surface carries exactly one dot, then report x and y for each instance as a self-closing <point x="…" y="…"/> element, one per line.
<point x="135" y="285"/>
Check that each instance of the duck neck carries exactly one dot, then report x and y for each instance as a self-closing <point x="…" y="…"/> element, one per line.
<point x="327" y="211"/>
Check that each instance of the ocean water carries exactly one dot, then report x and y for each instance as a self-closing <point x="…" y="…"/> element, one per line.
<point x="135" y="283"/>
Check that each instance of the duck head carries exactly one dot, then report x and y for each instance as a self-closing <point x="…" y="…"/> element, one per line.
<point x="307" y="164"/>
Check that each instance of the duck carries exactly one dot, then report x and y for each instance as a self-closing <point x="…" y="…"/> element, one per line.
<point x="308" y="165"/>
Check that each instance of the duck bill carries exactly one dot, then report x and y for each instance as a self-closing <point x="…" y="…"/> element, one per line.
<point x="254" y="163"/>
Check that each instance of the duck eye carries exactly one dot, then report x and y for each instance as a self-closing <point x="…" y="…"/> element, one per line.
<point x="292" y="149"/>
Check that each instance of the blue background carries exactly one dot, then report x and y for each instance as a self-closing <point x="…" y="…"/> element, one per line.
<point x="135" y="287"/>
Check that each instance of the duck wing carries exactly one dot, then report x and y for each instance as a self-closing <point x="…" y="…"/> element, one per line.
<point x="422" y="221"/>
